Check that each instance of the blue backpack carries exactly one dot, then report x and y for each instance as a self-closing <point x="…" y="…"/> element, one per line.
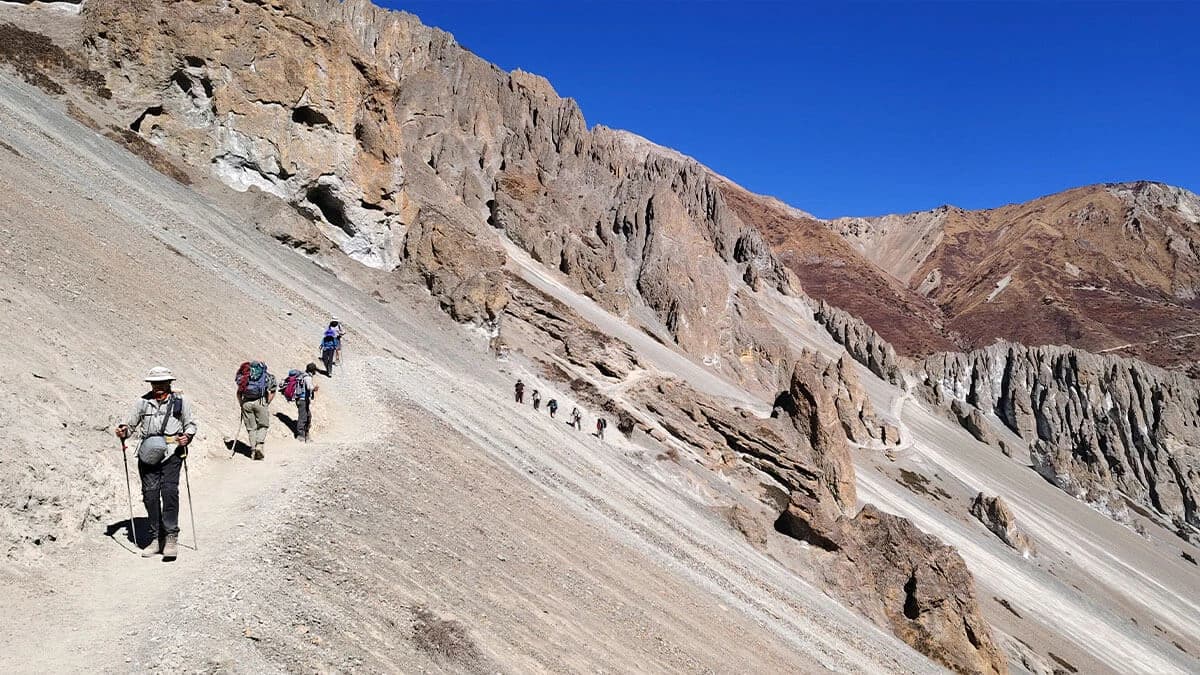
<point x="328" y="343"/>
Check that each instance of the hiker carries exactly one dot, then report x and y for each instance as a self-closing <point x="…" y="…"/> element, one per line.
<point x="576" y="418"/>
<point x="300" y="388"/>
<point x="339" y="332"/>
<point x="164" y="420"/>
<point x="601" y="425"/>
<point x="519" y="391"/>
<point x="255" y="390"/>
<point x="552" y="406"/>
<point x="329" y="350"/>
<point x="536" y="398"/>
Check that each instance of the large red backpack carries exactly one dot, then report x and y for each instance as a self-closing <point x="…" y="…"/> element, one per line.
<point x="251" y="380"/>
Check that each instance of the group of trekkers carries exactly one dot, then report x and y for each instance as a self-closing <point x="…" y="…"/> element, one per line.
<point x="576" y="418"/>
<point x="164" y="421"/>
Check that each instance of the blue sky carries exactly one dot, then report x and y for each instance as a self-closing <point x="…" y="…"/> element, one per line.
<point x="862" y="109"/>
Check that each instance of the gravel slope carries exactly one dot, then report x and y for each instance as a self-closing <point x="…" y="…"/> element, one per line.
<point x="551" y="550"/>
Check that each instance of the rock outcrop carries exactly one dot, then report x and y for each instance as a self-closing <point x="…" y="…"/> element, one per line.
<point x="854" y="408"/>
<point x="412" y="154"/>
<point x="995" y="515"/>
<point x="1101" y="427"/>
<point x="861" y="341"/>
<point x="904" y="579"/>
<point x="928" y="594"/>
<point x="973" y="421"/>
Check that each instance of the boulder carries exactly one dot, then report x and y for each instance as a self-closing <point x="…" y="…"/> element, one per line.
<point x="971" y="419"/>
<point x="927" y="592"/>
<point x="996" y="516"/>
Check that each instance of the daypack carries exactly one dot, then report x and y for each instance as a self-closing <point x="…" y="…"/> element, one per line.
<point x="328" y="343"/>
<point x="153" y="447"/>
<point x="252" y="380"/>
<point x="293" y="386"/>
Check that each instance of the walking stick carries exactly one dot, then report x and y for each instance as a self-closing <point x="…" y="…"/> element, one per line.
<point x="191" y="513"/>
<point x="237" y="435"/>
<point x="129" y="494"/>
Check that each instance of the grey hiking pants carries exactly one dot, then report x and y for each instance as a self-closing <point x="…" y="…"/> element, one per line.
<point x="256" y="415"/>
<point x="160" y="495"/>
<point x="303" y="417"/>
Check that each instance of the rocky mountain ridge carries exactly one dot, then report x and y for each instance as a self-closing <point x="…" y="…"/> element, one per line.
<point x="1109" y="267"/>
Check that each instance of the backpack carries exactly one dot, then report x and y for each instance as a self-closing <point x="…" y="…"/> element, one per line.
<point x="252" y="380"/>
<point x="293" y="386"/>
<point x="328" y="344"/>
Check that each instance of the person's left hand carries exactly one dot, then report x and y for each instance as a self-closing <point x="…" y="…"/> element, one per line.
<point x="183" y="439"/>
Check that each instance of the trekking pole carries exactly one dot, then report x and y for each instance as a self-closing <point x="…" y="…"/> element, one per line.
<point x="236" y="435"/>
<point x="129" y="494"/>
<point x="191" y="513"/>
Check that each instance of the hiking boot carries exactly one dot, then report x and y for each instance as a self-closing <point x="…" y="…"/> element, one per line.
<point x="258" y="454"/>
<point x="170" y="549"/>
<point x="153" y="548"/>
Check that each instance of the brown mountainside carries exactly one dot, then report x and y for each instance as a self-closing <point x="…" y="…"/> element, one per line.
<point x="1102" y="267"/>
<point x="830" y="268"/>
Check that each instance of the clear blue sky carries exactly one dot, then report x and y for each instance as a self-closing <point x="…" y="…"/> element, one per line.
<point x="862" y="109"/>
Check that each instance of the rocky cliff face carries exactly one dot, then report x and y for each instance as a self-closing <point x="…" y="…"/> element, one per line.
<point x="410" y="153"/>
<point x="861" y="342"/>
<point x="1100" y="426"/>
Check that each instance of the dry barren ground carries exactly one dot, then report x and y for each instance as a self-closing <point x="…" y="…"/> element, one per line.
<point x="434" y="524"/>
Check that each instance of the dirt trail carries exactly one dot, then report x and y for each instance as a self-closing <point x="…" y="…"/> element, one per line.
<point x="111" y="594"/>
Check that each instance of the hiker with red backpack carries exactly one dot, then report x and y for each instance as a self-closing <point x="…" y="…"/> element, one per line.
<point x="255" y="390"/>
<point x="300" y="388"/>
<point x="164" y="420"/>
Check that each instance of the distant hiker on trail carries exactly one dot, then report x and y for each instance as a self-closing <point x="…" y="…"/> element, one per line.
<point x="255" y="390"/>
<point x="519" y="391"/>
<point x="552" y="406"/>
<point x="601" y="425"/>
<point x="329" y="350"/>
<point x="536" y="398"/>
<point x="300" y="388"/>
<point x="339" y="332"/>
<point x="576" y="418"/>
<point x="164" y="421"/>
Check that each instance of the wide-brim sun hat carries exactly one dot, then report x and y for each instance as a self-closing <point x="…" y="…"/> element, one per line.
<point x="159" y="374"/>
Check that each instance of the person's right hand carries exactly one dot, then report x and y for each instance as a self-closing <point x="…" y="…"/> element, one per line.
<point x="122" y="431"/>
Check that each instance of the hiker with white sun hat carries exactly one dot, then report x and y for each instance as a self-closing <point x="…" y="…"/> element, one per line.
<point x="163" y="420"/>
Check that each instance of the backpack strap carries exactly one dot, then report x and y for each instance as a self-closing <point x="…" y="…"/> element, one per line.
<point x="174" y="408"/>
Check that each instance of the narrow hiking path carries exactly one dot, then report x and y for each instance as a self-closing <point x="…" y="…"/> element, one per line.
<point x="104" y="603"/>
<point x="1172" y="338"/>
